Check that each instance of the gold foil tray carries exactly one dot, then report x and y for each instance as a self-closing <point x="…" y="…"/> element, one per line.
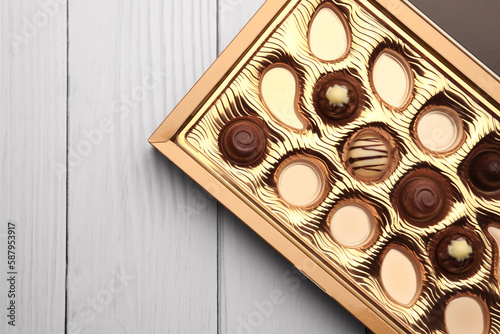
<point x="441" y="74"/>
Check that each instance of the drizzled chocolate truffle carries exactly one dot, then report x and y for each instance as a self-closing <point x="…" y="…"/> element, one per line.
<point x="337" y="96"/>
<point x="243" y="141"/>
<point x="422" y="198"/>
<point x="369" y="156"/>
<point x="455" y="254"/>
<point x="484" y="171"/>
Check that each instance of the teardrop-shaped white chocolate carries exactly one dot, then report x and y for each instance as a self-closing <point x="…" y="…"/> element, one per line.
<point x="465" y="315"/>
<point x="399" y="277"/>
<point x="327" y="35"/>
<point x="279" y="89"/>
<point x="391" y="79"/>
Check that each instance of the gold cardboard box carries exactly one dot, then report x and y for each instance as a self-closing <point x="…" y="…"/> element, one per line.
<point x="282" y="130"/>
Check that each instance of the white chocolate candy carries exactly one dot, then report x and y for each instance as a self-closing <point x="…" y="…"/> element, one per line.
<point x="351" y="225"/>
<point x="400" y="277"/>
<point x="460" y="249"/>
<point x="327" y="36"/>
<point x="301" y="183"/>
<point x="338" y="95"/>
<point x="438" y="131"/>
<point x="369" y="156"/>
<point x="391" y="79"/>
<point x="465" y="315"/>
<point x="279" y="89"/>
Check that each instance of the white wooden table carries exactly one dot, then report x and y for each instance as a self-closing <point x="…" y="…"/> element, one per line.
<point x="111" y="237"/>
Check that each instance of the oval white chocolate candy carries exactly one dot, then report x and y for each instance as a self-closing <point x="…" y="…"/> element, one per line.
<point x="438" y="131"/>
<point x="465" y="315"/>
<point x="279" y="89"/>
<point x="399" y="277"/>
<point x="301" y="183"/>
<point x="351" y="225"/>
<point x="368" y="156"/>
<point x="391" y="79"/>
<point x="328" y="38"/>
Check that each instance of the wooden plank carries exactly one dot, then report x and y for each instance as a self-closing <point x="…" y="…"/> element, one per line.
<point x="260" y="291"/>
<point x="142" y="235"/>
<point x="33" y="164"/>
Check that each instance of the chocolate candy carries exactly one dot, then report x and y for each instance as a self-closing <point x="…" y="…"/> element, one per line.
<point x="337" y="97"/>
<point x="439" y="130"/>
<point x="422" y="198"/>
<point x="455" y="254"/>
<point x="368" y="156"/>
<point x="243" y="141"/>
<point x="484" y="171"/>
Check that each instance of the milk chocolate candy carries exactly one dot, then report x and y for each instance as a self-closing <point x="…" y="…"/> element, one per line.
<point x="243" y="141"/>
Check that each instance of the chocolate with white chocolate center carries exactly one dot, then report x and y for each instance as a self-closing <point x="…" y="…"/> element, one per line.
<point x="460" y="249"/>
<point x="337" y="97"/>
<point x="455" y="254"/>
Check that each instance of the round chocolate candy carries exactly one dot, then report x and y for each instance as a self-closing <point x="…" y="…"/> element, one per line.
<point x="484" y="171"/>
<point x="455" y="254"/>
<point x="369" y="156"/>
<point x="422" y="198"/>
<point x="243" y="141"/>
<point x="337" y="99"/>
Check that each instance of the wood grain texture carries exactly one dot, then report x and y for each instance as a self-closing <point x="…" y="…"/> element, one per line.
<point x="260" y="291"/>
<point x="142" y="236"/>
<point x="148" y="250"/>
<point x="32" y="161"/>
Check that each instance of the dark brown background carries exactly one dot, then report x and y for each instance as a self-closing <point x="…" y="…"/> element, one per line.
<point x="475" y="24"/>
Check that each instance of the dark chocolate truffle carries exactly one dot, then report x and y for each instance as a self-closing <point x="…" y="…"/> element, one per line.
<point x="455" y="254"/>
<point x="484" y="171"/>
<point x="243" y="141"/>
<point x="337" y="99"/>
<point x="422" y="198"/>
